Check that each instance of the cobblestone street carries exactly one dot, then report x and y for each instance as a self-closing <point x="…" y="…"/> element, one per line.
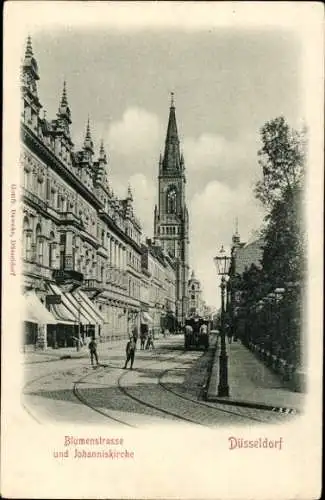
<point x="167" y="385"/>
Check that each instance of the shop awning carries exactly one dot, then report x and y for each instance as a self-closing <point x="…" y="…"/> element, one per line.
<point x="62" y="315"/>
<point x="145" y="318"/>
<point x="90" y="307"/>
<point x="75" y="307"/>
<point x="36" y="312"/>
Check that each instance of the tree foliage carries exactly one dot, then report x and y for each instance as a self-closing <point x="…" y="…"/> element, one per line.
<point x="282" y="159"/>
<point x="270" y="323"/>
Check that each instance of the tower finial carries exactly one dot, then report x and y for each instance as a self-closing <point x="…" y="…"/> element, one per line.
<point x="29" y="49"/>
<point x="130" y="196"/>
<point x="172" y="104"/>
<point x="88" y="143"/>
<point x="64" y="100"/>
<point x="101" y="150"/>
<point x="236" y="237"/>
<point x="88" y="136"/>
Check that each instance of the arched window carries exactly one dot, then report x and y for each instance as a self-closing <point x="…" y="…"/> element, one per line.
<point x="52" y="250"/>
<point x="27" y="240"/>
<point x="39" y="245"/>
<point x="172" y="201"/>
<point x="26" y="179"/>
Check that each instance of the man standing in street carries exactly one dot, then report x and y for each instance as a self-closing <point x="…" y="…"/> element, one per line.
<point x="135" y="333"/>
<point x="130" y="352"/>
<point x="93" y="351"/>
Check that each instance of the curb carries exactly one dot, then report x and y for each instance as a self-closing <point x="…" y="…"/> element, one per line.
<point x="250" y="404"/>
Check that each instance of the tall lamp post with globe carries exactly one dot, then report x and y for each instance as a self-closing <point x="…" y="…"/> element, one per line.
<point x="222" y="262"/>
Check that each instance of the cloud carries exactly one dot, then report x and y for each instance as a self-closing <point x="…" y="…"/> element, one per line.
<point x="216" y="157"/>
<point x="144" y="194"/>
<point x="220" y="175"/>
<point x="212" y="214"/>
<point x="137" y="132"/>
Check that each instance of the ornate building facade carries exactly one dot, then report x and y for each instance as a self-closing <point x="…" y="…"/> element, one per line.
<point x="81" y="244"/>
<point x="197" y="305"/>
<point x="171" y="221"/>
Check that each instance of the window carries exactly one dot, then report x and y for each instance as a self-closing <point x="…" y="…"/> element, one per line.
<point x="26" y="179"/>
<point x="171" y="201"/>
<point x="62" y="250"/>
<point x="39" y="245"/>
<point x="192" y="297"/>
<point x="52" y="250"/>
<point x="27" y="240"/>
<point x="40" y="189"/>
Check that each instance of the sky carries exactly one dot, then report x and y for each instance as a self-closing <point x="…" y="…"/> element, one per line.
<point x="227" y="83"/>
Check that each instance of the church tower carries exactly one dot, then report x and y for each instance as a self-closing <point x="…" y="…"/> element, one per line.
<point x="171" y="225"/>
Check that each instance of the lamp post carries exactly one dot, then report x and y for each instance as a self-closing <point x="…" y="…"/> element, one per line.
<point x="222" y="263"/>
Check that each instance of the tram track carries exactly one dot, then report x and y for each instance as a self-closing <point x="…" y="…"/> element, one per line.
<point x="187" y="404"/>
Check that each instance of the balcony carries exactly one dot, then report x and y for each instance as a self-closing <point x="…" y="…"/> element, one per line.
<point x="67" y="276"/>
<point x="93" y="285"/>
<point x="35" y="269"/>
<point x="33" y="199"/>
<point x="72" y="219"/>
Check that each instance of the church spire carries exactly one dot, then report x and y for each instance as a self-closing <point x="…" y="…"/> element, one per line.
<point x="171" y="159"/>
<point x="172" y="134"/>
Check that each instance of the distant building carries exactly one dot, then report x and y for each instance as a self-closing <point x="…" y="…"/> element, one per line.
<point x="246" y="254"/>
<point x="197" y="305"/>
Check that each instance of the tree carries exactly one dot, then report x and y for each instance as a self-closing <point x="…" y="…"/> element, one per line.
<point x="282" y="158"/>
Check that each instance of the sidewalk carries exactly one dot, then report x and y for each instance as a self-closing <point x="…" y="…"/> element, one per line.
<point x="39" y="356"/>
<point x="251" y="383"/>
<point x="50" y="354"/>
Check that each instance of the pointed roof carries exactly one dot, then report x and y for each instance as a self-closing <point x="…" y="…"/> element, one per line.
<point x="64" y="100"/>
<point x="102" y="153"/>
<point x="64" y="110"/>
<point x="88" y="143"/>
<point x="172" y="134"/>
<point x="171" y="160"/>
<point x="129" y="196"/>
<point x="30" y="63"/>
<point x="236" y="236"/>
<point x="29" y="49"/>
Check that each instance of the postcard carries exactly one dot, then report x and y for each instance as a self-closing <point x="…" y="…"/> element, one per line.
<point x="162" y="250"/>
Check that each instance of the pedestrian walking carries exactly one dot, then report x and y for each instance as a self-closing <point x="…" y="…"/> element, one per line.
<point x="93" y="351"/>
<point x="135" y="334"/>
<point x="150" y="341"/>
<point x="142" y="341"/>
<point x="130" y="352"/>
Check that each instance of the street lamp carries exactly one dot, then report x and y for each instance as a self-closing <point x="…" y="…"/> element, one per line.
<point x="222" y="262"/>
